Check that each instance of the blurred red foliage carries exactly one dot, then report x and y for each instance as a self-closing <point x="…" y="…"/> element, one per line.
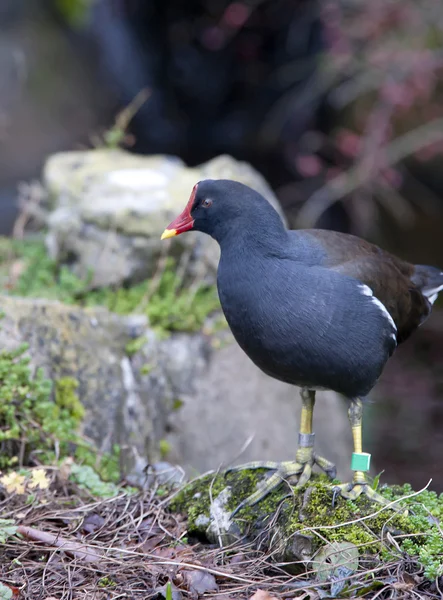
<point x="383" y="68"/>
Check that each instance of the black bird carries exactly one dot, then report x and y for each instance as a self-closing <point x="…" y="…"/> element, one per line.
<point x="314" y="308"/>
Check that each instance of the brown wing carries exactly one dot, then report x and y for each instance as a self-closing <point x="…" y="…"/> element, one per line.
<point x="387" y="276"/>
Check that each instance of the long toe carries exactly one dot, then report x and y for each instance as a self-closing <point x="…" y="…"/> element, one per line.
<point x="305" y="475"/>
<point x="282" y="472"/>
<point x="270" y="465"/>
<point x="326" y="465"/>
<point x="352" y="491"/>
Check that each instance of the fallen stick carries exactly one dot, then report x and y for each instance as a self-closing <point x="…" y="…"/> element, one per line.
<point x="75" y="549"/>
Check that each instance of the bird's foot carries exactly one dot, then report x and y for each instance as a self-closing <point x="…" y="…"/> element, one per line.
<point x="352" y="491"/>
<point x="300" y="470"/>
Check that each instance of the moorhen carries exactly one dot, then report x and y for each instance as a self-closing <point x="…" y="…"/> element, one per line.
<point x="314" y="308"/>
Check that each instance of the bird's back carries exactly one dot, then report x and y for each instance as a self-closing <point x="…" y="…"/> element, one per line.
<point x="407" y="291"/>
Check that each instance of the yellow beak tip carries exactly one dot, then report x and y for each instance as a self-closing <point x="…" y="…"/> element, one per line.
<point x="168" y="233"/>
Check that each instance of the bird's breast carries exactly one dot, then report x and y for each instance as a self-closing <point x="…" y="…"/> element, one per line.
<point x="307" y="327"/>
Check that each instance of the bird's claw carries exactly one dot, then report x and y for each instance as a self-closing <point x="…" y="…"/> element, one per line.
<point x="352" y="491"/>
<point x="284" y="471"/>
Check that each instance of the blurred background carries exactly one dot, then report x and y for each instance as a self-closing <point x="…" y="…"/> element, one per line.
<point x="338" y="103"/>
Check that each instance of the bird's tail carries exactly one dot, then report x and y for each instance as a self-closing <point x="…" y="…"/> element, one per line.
<point x="429" y="280"/>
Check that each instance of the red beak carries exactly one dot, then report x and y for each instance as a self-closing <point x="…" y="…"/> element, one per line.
<point x="183" y="222"/>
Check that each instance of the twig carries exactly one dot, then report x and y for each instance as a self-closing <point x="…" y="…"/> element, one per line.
<point x="76" y="549"/>
<point x="358" y="175"/>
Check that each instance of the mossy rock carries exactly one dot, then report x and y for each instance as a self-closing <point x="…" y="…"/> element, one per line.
<point x="295" y="524"/>
<point x="110" y="207"/>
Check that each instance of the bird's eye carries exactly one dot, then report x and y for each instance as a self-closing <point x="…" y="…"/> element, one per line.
<point x="207" y="202"/>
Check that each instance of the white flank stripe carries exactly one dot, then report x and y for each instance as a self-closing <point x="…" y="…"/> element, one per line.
<point x="368" y="292"/>
<point x="432" y="294"/>
<point x="433" y="291"/>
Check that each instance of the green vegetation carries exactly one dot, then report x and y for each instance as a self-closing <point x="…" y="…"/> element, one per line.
<point x="37" y="427"/>
<point x="106" y="582"/>
<point x="75" y="12"/>
<point x="89" y="480"/>
<point x="8" y="528"/>
<point x="171" y="306"/>
<point x="67" y="399"/>
<point x="5" y="592"/>
<point x="426" y="514"/>
<point x="29" y="420"/>
<point x="310" y="510"/>
<point x="169" y="595"/>
<point x="164" y="448"/>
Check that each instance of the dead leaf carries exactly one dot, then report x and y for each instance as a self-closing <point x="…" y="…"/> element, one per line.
<point x="65" y="468"/>
<point x="16" y="269"/>
<point x="400" y="586"/>
<point x="165" y="552"/>
<point x="75" y="549"/>
<point x="262" y="595"/>
<point x="237" y="558"/>
<point x="14" y="483"/>
<point x="39" y="479"/>
<point x="152" y="543"/>
<point x="92" y="523"/>
<point x="199" y="582"/>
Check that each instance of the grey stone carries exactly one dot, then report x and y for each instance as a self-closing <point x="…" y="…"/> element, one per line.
<point x="109" y="208"/>
<point x="89" y="345"/>
<point x="233" y="402"/>
<point x="219" y="529"/>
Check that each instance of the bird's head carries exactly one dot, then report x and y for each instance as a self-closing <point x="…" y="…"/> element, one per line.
<point x="221" y="206"/>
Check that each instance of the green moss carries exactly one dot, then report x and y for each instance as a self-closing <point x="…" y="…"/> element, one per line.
<point x="308" y="511"/>
<point x="194" y="499"/>
<point x="165" y="448"/>
<point x="67" y="398"/>
<point x="426" y="514"/>
<point x="105" y="582"/>
<point x="146" y="369"/>
<point x="177" y="403"/>
<point x="75" y="12"/>
<point x="172" y="306"/>
<point x="135" y="346"/>
<point x="319" y="513"/>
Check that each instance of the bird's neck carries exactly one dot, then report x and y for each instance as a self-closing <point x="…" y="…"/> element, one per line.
<point x="251" y="240"/>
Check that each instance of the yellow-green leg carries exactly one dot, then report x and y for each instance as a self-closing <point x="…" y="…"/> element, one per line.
<point x="360" y="461"/>
<point x="301" y="468"/>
